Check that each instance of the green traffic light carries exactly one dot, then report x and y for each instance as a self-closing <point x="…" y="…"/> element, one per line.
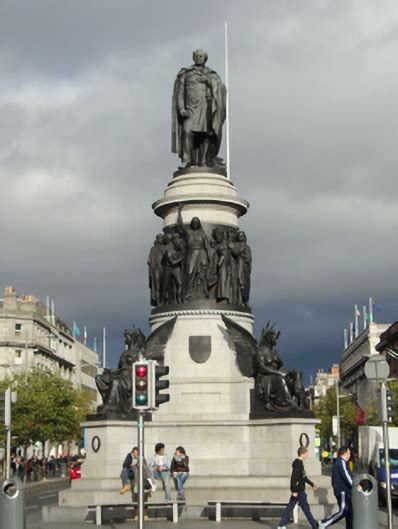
<point x="141" y="399"/>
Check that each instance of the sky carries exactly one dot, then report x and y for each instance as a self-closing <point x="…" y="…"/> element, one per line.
<point x="85" y="113"/>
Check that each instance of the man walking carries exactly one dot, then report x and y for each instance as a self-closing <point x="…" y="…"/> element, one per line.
<point x="297" y="487"/>
<point x="342" y="488"/>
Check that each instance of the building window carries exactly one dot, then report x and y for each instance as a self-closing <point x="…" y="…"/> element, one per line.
<point x="18" y="329"/>
<point x="18" y="357"/>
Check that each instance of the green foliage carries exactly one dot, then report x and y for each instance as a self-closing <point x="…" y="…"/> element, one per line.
<point x="326" y="407"/>
<point x="372" y="406"/>
<point x="48" y="407"/>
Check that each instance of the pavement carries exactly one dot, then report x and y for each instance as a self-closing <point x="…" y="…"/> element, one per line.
<point x="46" y="493"/>
<point x="184" y="524"/>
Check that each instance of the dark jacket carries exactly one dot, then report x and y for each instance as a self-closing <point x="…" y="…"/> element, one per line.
<point x="299" y="477"/>
<point x="180" y="466"/>
<point x="341" y="477"/>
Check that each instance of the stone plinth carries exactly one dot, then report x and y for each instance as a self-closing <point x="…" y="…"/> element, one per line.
<point x="237" y="460"/>
<point x="203" y="389"/>
<point x="210" y="196"/>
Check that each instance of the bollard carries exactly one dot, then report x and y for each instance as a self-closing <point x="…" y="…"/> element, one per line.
<point x="365" y="502"/>
<point x="12" y="505"/>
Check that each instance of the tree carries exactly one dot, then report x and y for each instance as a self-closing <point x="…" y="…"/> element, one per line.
<point x="372" y="406"/>
<point x="326" y="407"/>
<point x="48" y="407"/>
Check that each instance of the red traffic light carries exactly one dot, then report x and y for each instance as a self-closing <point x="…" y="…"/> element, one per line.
<point x="141" y="371"/>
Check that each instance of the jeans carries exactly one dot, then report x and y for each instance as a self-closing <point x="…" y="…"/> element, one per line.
<point x="181" y="479"/>
<point x="301" y="499"/>
<point x="124" y="475"/>
<point x="165" y="479"/>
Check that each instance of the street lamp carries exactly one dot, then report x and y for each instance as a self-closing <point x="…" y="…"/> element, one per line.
<point x="338" y="397"/>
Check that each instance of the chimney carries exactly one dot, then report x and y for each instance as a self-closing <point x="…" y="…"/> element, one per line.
<point x="10" y="302"/>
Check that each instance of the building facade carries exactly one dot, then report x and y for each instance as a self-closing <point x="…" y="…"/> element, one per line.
<point x="325" y="380"/>
<point x="30" y="336"/>
<point x="354" y="358"/>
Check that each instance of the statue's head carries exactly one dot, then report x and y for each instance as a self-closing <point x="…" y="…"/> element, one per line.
<point x="218" y="235"/>
<point x="159" y="238"/>
<point x="195" y="223"/>
<point x="241" y="236"/>
<point x="269" y="336"/>
<point x="199" y="57"/>
<point x="166" y="238"/>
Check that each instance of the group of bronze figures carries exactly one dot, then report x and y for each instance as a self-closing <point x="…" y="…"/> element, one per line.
<point x="186" y="265"/>
<point x="277" y="390"/>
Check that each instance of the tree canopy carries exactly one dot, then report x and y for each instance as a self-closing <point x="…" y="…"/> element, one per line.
<point x="48" y="407"/>
<point x="326" y="407"/>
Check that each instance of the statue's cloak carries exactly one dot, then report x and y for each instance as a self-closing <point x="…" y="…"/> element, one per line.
<point x="218" y="110"/>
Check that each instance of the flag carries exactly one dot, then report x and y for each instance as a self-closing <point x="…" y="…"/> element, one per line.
<point x="85" y="335"/>
<point x="360" y="414"/>
<point x="95" y="344"/>
<point x="76" y="330"/>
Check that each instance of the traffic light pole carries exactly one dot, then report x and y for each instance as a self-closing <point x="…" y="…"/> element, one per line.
<point x="386" y="442"/>
<point x="140" y="437"/>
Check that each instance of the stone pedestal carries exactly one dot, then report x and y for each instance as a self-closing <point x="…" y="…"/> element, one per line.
<point x="236" y="460"/>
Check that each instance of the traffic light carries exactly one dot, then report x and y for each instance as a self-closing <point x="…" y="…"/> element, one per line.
<point x="159" y="385"/>
<point x="141" y="386"/>
<point x="390" y="406"/>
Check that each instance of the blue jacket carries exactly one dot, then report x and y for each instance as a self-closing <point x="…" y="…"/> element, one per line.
<point x="166" y="462"/>
<point x="341" y="477"/>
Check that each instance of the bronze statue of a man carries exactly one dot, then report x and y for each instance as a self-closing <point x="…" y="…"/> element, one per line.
<point x="199" y="110"/>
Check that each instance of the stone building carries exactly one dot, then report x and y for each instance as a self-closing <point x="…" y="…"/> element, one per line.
<point x="354" y="357"/>
<point x="32" y="337"/>
<point x="324" y="380"/>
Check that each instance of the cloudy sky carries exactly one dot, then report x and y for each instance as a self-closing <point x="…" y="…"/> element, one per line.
<point x="85" y="96"/>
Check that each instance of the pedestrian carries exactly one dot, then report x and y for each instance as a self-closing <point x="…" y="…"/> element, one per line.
<point x="160" y="469"/>
<point x="129" y="464"/>
<point x="180" y="470"/>
<point x="342" y="488"/>
<point x="297" y="487"/>
<point x="132" y="462"/>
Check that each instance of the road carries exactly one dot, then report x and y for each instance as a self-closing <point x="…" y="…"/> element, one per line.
<point x="39" y="494"/>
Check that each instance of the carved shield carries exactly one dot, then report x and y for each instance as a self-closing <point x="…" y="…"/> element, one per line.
<point x="200" y="348"/>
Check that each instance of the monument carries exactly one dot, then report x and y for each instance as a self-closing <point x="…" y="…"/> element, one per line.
<point x="234" y="406"/>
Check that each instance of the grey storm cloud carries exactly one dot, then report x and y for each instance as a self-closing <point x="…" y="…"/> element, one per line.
<point x="85" y="97"/>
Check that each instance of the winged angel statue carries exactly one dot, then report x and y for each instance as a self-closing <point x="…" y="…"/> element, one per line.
<point x="277" y="388"/>
<point x="115" y="385"/>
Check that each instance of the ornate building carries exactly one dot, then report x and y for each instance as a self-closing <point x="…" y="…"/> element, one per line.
<point x="31" y="337"/>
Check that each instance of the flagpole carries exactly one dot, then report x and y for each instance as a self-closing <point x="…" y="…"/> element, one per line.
<point x="104" y="347"/>
<point x="351" y="332"/>
<point x="370" y="310"/>
<point x="345" y="339"/>
<point x="48" y="308"/>
<point x="226" y="67"/>
<point x="356" y="321"/>
<point x="365" y="316"/>
<point x="53" y="312"/>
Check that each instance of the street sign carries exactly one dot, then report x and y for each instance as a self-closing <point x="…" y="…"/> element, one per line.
<point x="335" y="423"/>
<point x="377" y="368"/>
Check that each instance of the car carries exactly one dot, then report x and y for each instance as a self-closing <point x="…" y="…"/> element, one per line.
<point x="75" y="472"/>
